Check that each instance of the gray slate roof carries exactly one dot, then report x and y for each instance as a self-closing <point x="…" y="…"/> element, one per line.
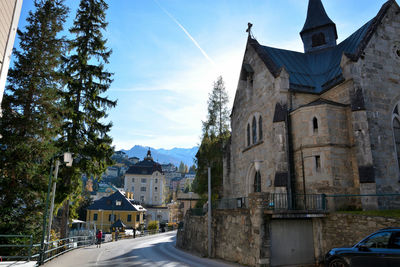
<point x="318" y="71"/>
<point x="108" y="203"/>
<point x="316" y="17"/>
<point x="146" y="167"/>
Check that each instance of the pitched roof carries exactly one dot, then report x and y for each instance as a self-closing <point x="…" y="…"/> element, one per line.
<point x="316" y="17"/>
<point x="319" y="71"/>
<point x="322" y="101"/>
<point x="109" y="203"/>
<point x="146" y="166"/>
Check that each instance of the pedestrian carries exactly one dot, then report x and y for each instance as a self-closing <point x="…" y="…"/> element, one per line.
<point x="134" y="233"/>
<point x="99" y="236"/>
<point x="116" y="235"/>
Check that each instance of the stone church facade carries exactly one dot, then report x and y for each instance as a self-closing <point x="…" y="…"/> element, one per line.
<point x="326" y="121"/>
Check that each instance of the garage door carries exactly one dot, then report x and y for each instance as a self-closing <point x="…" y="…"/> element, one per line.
<point x="291" y="242"/>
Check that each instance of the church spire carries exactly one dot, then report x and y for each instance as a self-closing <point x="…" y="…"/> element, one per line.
<point x="319" y="31"/>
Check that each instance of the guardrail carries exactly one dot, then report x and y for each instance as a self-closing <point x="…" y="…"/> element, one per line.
<point x="15" y="244"/>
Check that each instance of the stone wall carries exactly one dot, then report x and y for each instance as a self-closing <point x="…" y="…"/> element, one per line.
<point x="343" y="230"/>
<point x="238" y="235"/>
<point x="243" y="236"/>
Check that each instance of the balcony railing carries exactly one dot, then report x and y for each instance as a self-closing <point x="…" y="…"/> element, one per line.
<point x="299" y="202"/>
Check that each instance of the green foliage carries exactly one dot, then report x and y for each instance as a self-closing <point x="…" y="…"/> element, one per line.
<point x="153" y="225"/>
<point x="183" y="168"/>
<point x="217" y="122"/>
<point x="85" y="132"/>
<point x="31" y="119"/>
<point x="215" y="136"/>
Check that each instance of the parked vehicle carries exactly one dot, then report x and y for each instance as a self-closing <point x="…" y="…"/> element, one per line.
<point x="381" y="248"/>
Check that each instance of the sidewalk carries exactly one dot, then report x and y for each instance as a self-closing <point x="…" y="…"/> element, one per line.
<point x="18" y="263"/>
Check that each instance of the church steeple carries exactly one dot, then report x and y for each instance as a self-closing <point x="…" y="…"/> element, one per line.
<point x="319" y="31"/>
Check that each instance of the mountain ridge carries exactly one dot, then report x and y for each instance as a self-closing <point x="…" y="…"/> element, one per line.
<point x="165" y="156"/>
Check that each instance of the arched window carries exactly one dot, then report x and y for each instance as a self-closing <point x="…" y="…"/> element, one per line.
<point x="315" y="125"/>
<point x="248" y="134"/>
<point x="260" y="131"/>
<point x="257" y="182"/>
<point x="254" y="130"/>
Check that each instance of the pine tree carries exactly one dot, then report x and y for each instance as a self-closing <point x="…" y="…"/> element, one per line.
<point x="85" y="133"/>
<point x="215" y="135"/>
<point x="31" y="119"/>
<point x="218" y="112"/>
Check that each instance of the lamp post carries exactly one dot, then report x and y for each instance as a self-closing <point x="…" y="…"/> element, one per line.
<point x="68" y="160"/>
<point x="209" y="212"/>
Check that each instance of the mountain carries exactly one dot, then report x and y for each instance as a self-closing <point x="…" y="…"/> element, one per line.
<point x="165" y="156"/>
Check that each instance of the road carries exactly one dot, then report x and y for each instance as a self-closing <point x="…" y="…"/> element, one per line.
<point x="155" y="250"/>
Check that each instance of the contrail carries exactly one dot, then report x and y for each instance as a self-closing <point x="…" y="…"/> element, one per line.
<point x="186" y="32"/>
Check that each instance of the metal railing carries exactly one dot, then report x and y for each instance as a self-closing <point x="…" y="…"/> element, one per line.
<point x="20" y="247"/>
<point x="299" y="202"/>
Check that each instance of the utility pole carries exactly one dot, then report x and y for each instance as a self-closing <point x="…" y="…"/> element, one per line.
<point x="209" y="212"/>
<point x="52" y="198"/>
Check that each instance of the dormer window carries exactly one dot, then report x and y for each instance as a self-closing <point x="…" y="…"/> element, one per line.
<point x="118" y="203"/>
<point x="318" y="39"/>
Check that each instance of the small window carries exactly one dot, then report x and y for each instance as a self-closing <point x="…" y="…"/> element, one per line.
<point x="143" y="180"/>
<point x="141" y="198"/>
<point x="111" y="218"/>
<point x="318" y="39"/>
<point x="137" y="217"/>
<point x="133" y="188"/>
<point x="254" y="130"/>
<point x="133" y="180"/>
<point x="129" y="219"/>
<point x="143" y="189"/>
<point x="118" y="203"/>
<point x="248" y="134"/>
<point x="95" y="217"/>
<point x="318" y="163"/>
<point x="260" y="131"/>
<point x="155" y="188"/>
<point x="156" y="180"/>
<point x="315" y="125"/>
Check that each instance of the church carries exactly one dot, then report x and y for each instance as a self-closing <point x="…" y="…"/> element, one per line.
<point x="326" y="121"/>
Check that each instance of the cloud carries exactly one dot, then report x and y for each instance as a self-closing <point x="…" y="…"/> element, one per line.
<point x="186" y="32"/>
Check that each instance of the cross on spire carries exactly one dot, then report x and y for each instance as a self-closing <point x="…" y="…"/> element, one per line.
<point x="249" y="25"/>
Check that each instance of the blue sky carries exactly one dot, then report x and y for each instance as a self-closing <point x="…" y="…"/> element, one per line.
<point x="167" y="53"/>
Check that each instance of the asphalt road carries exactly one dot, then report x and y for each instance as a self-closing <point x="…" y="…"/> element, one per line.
<point x="155" y="250"/>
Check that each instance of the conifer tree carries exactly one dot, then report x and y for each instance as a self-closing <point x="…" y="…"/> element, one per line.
<point x="85" y="133"/>
<point x="31" y="119"/>
<point x="215" y="135"/>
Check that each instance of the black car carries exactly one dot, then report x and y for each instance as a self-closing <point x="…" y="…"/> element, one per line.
<point x="380" y="249"/>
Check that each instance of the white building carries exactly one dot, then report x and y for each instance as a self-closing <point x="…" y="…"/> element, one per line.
<point x="9" y="17"/>
<point x="146" y="181"/>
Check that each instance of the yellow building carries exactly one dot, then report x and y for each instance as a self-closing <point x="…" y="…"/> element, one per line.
<point x="107" y="210"/>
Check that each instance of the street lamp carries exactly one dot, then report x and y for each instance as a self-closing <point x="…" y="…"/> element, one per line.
<point x="68" y="160"/>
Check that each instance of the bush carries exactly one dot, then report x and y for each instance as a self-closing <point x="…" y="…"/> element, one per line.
<point x="153" y="225"/>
